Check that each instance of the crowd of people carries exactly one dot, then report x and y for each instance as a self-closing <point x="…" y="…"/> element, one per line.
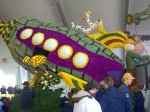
<point x="108" y="98"/>
<point x="26" y="97"/>
<point x="5" y="99"/>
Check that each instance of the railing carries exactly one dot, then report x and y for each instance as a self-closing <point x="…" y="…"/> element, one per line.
<point x="7" y="95"/>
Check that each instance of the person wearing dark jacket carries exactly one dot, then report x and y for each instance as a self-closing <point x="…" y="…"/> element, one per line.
<point x="10" y="89"/>
<point x="26" y="96"/>
<point x="16" y="90"/>
<point x="127" y="81"/>
<point x="113" y="100"/>
<point x="3" y="90"/>
<point x="139" y="99"/>
<point x="100" y="92"/>
<point x="65" y="105"/>
<point x="67" y="101"/>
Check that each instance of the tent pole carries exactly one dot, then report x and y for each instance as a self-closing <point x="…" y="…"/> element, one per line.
<point x="61" y="13"/>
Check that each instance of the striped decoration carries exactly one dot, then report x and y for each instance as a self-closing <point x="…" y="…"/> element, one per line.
<point x="110" y="40"/>
<point x="73" y="81"/>
<point x="35" y="61"/>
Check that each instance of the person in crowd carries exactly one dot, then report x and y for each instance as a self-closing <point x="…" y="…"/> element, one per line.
<point x="26" y="98"/>
<point x="140" y="49"/>
<point x="91" y="88"/>
<point x="16" y="90"/>
<point x="3" y="89"/>
<point x="147" y="99"/>
<point x="85" y="102"/>
<point x="6" y="104"/>
<point x="10" y="89"/>
<point x="139" y="98"/>
<point x="101" y="91"/>
<point x="1" y="104"/>
<point x="127" y="81"/>
<point x="113" y="100"/>
<point x="67" y="102"/>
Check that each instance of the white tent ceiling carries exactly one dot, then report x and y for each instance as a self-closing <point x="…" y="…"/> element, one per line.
<point x="111" y="12"/>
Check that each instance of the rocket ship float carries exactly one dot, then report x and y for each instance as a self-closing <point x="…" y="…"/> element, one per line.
<point x="38" y="45"/>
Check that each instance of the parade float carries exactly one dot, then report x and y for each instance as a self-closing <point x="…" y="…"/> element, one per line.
<point x="62" y="58"/>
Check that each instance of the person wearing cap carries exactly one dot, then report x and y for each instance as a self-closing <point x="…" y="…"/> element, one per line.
<point x="84" y="100"/>
<point x="26" y="97"/>
<point x="127" y="81"/>
<point x="113" y="100"/>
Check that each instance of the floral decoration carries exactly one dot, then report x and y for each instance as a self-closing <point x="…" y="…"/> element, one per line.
<point x="45" y="80"/>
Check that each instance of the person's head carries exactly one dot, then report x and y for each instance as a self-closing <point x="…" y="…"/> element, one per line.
<point x="26" y="84"/>
<point x="70" y="94"/>
<point x="136" y="38"/>
<point x="3" y="86"/>
<point x="91" y="88"/>
<point x="17" y="87"/>
<point x="74" y="90"/>
<point x="127" y="79"/>
<point x="108" y="81"/>
<point x="102" y="84"/>
<point x="127" y="33"/>
<point x="141" y="86"/>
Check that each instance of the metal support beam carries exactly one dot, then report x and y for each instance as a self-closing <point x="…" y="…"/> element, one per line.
<point x="125" y="25"/>
<point x="2" y="18"/>
<point x="61" y="13"/>
<point x="126" y="13"/>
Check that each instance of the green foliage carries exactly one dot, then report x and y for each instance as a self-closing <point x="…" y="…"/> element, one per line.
<point x="47" y="100"/>
<point x="44" y="101"/>
<point x="15" y="104"/>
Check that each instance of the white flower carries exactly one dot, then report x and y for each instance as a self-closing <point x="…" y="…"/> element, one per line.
<point x="54" y="70"/>
<point x="45" y="82"/>
<point x="50" y="76"/>
<point x="44" y="87"/>
<point x="45" y="74"/>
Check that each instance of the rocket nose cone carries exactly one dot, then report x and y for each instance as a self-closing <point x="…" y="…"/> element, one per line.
<point x="5" y="30"/>
<point x="2" y="24"/>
